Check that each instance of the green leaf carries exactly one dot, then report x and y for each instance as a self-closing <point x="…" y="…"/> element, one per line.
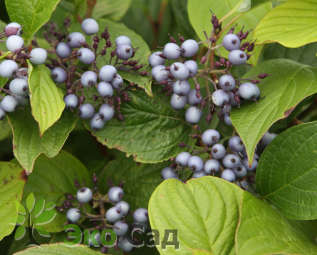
<point x="114" y="10"/>
<point x="30" y="202"/>
<point x="226" y="220"/>
<point x="5" y="129"/>
<point x="19" y="233"/>
<point x="200" y="16"/>
<point x="63" y="170"/>
<point x="142" y="53"/>
<point x="12" y="182"/>
<point x="27" y="142"/>
<point x="290" y="24"/>
<point x="58" y="249"/>
<point x="287" y="172"/>
<point x="46" y="99"/>
<point x="287" y="85"/>
<point x="305" y="55"/>
<point x="151" y="131"/>
<point x="30" y="14"/>
<point x="125" y="170"/>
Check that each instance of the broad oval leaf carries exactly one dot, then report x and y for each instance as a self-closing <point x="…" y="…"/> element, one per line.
<point x="287" y="172"/>
<point x="46" y="98"/>
<point x="12" y="183"/>
<point x="30" y="14"/>
<point x="151" y="131"/>
<point x="217" y="217"/>
<point x="287" y="85"/>
<point x="127" y="171"/>
<point x="116" y="29"/>
<point x="27" y="142"/>
<point x="58" y="249"/>
<point x="290" y="24"/>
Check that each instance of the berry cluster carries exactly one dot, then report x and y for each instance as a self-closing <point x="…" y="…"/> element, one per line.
<point x="14" y="68"/>
<point x="176" y="77"/>
<point x="226" y="160"/>
<point x="97" y="93"/>
<point x="109" y="212"/>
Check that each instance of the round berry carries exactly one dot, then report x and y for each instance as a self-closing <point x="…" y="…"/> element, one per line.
<point x="14" y="43"/>
<point x="253" y="166"/>
<point x="97" y="122"/>
<point x="117" y="81"/>
<point x="19" y="86"/>
<point x="231" y="161"/>
<point x="237" y="57"/>
<point x="86" y="111"/>
<point x="21" y="99"/>
<point x="228" y="175"/>
<point x="227" y="82"/>
<point x="120" y="228"/>
<point x="12" y="28"/>
<point x="73" y="215"/>
<point x="236" y="144"/>
<point x="195" y="163"/>
<point x="179" y="71"/>
<point x="268" y="138"/>
<point x="124" y="207"/>
<point x="140" y="215"/>
<point x="156" y="59"/>
<point x="106" y="111"/>
<point x="105" y="89"/>
<point x="59" y="75"/>
<point x="124" y="51"/>
<point x="90" y="26"/>
<point x="86" y="56"/>
<point x="71" y="101"/>
<point x="168" y="173"/>
<point x="231" y="42"/>
<point x="122" y="39"/>
<point x="193" y="99"/>
<point x="211" y="166"/>
<point x="181" y="87"/>
<point x="192" y="67"/>
<point x="240" y="171"/>
<point x="218" y="151"/>
<point x="22" y="73"/>
<point x="113" y="214"/>
<point x="220" y="97"/>
<point x="210" y="137"/>
<point x="182" y="158"/>
<point x="7" y="68"/>
<point x="178" y="102"/>
<point x="160" y="73"/>
<point x="171" y="51"/>
<point x="227" y="120"/>
<point x="125" y="245"/>
<point x="249" y="91"/>
<point x="8" y="103"/>
<point x="199" y="174"/>
<point x="115" y="194"/>
<point x="84" y="195"/>
<point x="88" y="78"/>
<point x="38" y="56"/>
<point x="189" y="48"/>
<point x="76" y="39"/>
<point x="193" y="115"/>
<point x="107" y="73"/>
<point x="63" y="50"/>
<point x="2" y="114"/>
